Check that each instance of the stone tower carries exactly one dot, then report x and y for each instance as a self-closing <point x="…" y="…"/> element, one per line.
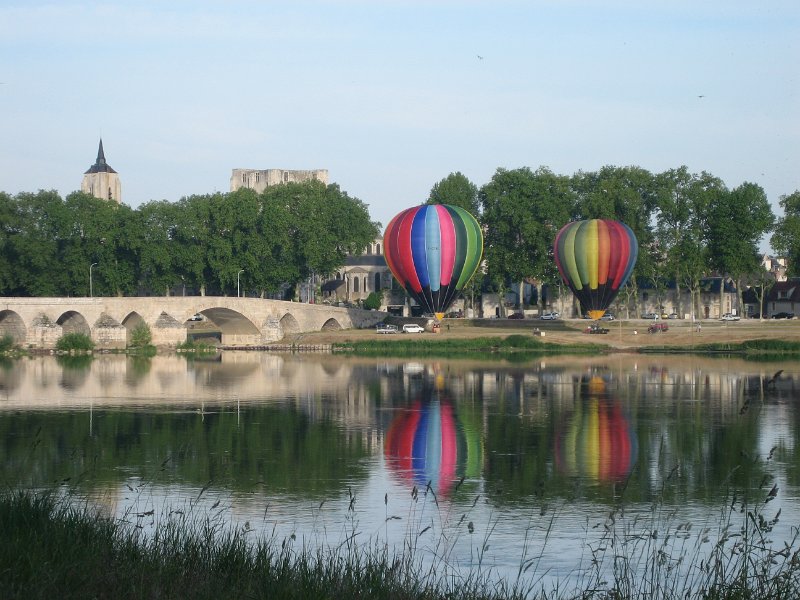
<point x="101" y="181"/>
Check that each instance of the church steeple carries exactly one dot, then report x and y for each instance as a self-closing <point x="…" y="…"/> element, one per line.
<point x="101" y="181"/>
<point x="100" y="166"/>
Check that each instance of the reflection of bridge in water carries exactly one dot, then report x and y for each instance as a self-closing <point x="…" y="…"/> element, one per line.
<point x="40" y="322"/>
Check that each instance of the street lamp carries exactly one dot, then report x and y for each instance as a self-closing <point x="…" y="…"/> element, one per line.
<point x="237" y="281"/>
<point x="91" y="289"/>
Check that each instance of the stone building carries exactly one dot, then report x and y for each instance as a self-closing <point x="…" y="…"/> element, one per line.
<point x="261" y="179"/>
<point x="101" y="181"/>
<point x="360" y="276"/>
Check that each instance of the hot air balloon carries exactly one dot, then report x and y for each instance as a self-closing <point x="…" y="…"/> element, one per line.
<point x="595" y="259"/>
<point x="433" y="251"/>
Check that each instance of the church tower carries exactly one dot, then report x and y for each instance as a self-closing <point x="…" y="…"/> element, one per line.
<point x="101" y="181"/>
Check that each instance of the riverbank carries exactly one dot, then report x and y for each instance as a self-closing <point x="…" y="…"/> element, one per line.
<point x="623" y="335"/>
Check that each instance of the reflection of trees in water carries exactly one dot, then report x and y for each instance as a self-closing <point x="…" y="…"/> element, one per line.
<point x="11" y="374"/>
<point x="75" y="370"/>
<point x="279" y="447"/>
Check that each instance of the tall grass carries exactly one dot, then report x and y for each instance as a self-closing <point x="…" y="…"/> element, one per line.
<point x="55" y="547"/>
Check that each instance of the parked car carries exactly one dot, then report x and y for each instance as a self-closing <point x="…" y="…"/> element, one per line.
<point x="730" y="317"/>
<point x="197" y="317"/>
<point x="595" y="329"/>
<point x="607" y="317"/>
<point x="413" y="328"/>
<point x="657" y="328"/>
<point x="783" y="315"/>
<point x="385" y="328"/>
<point x="550" y="316"/>
<point x="650" y="315"/>
<point x="517" y="316"/>
<point x="672" y="316"/>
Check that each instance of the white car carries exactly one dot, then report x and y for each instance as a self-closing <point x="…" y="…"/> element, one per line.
<point x="550" y="316"/>
<point x="607" y="317"/>
<point x="413" y="328"/>
<point x="730" y="317"/>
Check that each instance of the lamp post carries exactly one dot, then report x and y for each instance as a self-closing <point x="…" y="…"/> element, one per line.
<point x="91" y="289"/>
<point x="237" y="282"/>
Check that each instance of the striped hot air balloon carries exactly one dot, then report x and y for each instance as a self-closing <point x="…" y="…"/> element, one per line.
<point x="433" y="251"/>
<point x="595" y="259"/>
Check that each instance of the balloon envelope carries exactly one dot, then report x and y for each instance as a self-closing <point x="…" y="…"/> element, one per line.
<point x="595" y="259"/>
<point x="433" y="250"/>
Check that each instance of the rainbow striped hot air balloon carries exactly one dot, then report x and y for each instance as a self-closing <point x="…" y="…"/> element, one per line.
<point x="595" y="259"/>
<point x="433" y="251"/>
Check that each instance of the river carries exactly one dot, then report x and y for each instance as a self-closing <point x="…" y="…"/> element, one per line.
<point x="505" y="467"/>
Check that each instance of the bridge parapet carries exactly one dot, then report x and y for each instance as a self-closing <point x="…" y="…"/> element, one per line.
<point x="40" y="322"/>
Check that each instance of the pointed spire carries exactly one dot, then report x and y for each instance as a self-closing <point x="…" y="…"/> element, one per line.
<point x="100" y="166"/>
<point x="101" y="157"/>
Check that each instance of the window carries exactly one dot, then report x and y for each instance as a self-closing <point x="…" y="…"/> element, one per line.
<point x="286" y="176"/>
<point x="377" y="281"/>
<point x="377" y="248"/>
<point x="355" y="284"/>
<point x="365" y="283"/>
<point x="110" y="197"/>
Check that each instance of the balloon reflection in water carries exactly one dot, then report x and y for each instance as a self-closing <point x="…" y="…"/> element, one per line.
<point x="599" y="441"/>
<point x="428" y="443"/>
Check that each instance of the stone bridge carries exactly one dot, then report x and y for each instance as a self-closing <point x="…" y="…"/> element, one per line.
<point x="40" y="322"/>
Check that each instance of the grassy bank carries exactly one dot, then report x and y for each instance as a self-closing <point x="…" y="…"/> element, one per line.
<point x="503" y="347"/>
<point x="52" y="549"/>
<point x="771" y="349"/>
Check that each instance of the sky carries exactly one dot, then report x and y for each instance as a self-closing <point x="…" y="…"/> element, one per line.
<point x="393" y="96"/>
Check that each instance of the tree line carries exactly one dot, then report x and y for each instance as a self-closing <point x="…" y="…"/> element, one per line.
<point x="267" y="242"/>
<point x="688" y="225"/>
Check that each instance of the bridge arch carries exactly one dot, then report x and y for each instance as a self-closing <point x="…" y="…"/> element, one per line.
<point x="131" y="322"/>
<point x="74" y="322"/>
<point x="331" y="325"/>
<point x="289" y="324"/>
<point x="12" y="325"/>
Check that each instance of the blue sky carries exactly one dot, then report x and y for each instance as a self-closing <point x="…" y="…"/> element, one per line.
<point x="391" y="97"/>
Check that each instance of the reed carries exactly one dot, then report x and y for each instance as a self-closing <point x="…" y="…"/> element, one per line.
<point x="55" y="546"/>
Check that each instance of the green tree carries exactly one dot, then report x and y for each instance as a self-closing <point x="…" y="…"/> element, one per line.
<point x="736" y="223"/>
<point x="786" y="238"/>
<point x="155" y="223"/>
<point x="627" y="194"/>
<point x="522" y="212"/>
<point x="457" y="190"/>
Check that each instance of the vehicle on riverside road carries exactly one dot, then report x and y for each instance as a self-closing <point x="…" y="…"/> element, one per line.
<point x="413" y="328"/>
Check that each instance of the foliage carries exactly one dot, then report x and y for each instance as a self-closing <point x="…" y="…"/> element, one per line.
<point x="278" y="237"/>
<point x="522" y="212"/>
<point x="786" y="238"/>
<point x="374" y="300"/>
<point x="6" y="343"/>
<point x="456" y="190"/>
<point x="141" y="336"/>
<point x="74" y="341"/>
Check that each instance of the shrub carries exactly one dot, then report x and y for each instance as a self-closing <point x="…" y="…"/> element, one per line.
<point x="373" y="301"/>
<point x="6" y="343"/>
<point x="141" y="336"/>
<point x="75" y="341"/>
